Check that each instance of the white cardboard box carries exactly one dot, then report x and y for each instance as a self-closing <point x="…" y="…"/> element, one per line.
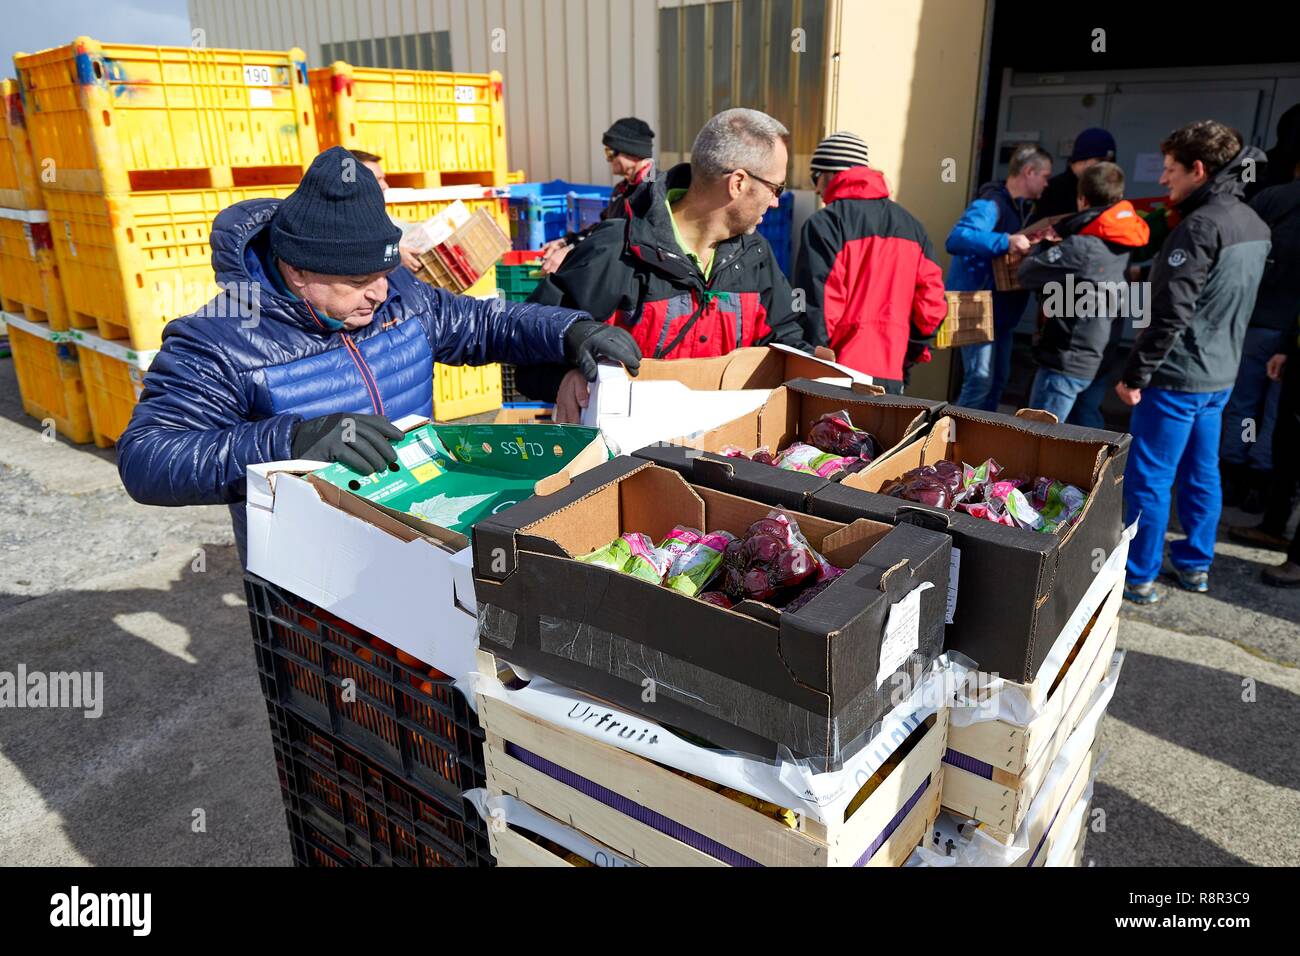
<point x="670" y="399"/>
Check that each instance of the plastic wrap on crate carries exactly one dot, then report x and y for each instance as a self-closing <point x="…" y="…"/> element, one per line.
<point x="1062" y="851"/>
<point x="973" y="847"/>
<point x="504" y="810"/>
<point x="998" y="699"/>
<point x="803" y="730"/>
<point x="785" y="780"/>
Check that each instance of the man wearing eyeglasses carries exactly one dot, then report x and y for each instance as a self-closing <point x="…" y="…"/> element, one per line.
<point x="686" y="274"/>
<point x="629" y="146"/>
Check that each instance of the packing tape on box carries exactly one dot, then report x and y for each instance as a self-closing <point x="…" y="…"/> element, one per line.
<point x="998" y="699"/>
<point x="803" y="730"/>
<point x="504" y="810"/>
<point x="970" y="846"/>
<point x="788" y="782"/>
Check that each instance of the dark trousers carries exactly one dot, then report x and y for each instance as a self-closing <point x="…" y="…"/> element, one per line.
<point x="1286" y="456"/>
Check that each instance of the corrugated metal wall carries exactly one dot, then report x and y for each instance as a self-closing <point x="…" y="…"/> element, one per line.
<point x="570" y="67"/>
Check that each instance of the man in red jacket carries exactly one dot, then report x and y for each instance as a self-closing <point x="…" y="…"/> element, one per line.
<point x="874" y="291"/>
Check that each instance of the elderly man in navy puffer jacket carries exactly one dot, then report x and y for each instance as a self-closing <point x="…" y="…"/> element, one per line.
<point x="317" y="342"/>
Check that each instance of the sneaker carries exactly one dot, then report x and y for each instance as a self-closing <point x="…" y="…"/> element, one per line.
<point x="1285" y="575"/>
<point x="1258" y="536"/>
<point x="1141" y="593"/>
<point x="1196" y="581"/>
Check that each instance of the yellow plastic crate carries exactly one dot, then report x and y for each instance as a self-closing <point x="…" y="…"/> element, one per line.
<point x="29" y="276"/>
<point x="465" y="390"/>
<point x="113" y="376"/>
<point x="430" y="128"/>
<point x="19" y="186"/>
<point x="132" y="263"/>
<point x="49" y="378"/>
<point x="115" y="118"/>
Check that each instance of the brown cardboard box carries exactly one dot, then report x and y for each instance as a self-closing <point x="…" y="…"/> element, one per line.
<point x="753" y="678"/>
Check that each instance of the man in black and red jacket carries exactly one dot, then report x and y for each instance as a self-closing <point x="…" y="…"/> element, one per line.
<point x="685" y="273"/>
<point x="875" y="292"/>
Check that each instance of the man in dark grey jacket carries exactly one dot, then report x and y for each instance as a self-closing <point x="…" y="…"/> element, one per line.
<point x="1082" y="290"/>
<point x="1247" y="457"/>
<point x="1183" y="365"/>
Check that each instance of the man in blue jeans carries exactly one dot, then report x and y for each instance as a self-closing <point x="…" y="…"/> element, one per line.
<point x="1181" y="370"/>
<point x="990" y="227"/>
<point x="1082" y="289"/>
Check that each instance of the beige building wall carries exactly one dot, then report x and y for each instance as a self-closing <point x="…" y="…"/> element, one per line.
<point x="570" y="67"/>
<point x="907" y="78"/>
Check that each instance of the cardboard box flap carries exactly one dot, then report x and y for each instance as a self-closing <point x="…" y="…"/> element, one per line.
<point x="494" y="541"/>
<point x="398" y="524"/>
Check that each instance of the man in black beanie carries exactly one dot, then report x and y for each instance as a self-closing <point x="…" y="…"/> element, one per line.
<point x="629" y="146"/>
<point x="318" y="340"/>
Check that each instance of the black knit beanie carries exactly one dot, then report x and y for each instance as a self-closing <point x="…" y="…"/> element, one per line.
<point x="632" y="137"/>
<point x="334" y="223"/>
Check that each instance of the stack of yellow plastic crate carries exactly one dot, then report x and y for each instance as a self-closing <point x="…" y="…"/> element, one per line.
<point x="31" y="297"/>
<point x="441" y="138"/>
<point x="135" y="150"/>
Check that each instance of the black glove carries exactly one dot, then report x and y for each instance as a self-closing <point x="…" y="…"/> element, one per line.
<point x="585" y="343"/>
<point x="359" y="441"/>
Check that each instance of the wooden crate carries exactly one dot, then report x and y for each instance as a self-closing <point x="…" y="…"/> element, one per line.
<point x="1006" y="277"/>
<point x="1014" y="748"/>
<point x="511" y="847"/>
<point x="1000" y="798"/>
<point x="640" y="809"/>
<point x="969" y="320"/>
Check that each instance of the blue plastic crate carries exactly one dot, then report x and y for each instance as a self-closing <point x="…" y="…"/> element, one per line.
<point x="539" y="212"/>
<point x="776" y="228"/>
<point x="585" y="211"/>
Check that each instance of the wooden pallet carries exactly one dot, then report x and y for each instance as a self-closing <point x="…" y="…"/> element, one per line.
<point x="657" y="817"/>
<point x="1000" y="798"/>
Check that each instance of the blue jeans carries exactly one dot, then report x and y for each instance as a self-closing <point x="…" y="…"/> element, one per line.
<point x="1175" y="441"/>
<point x="985" y="370"/>
<point x="1254" y="397"/>
<point x="1056" y="392"/>
<point x="1087" y="405"/>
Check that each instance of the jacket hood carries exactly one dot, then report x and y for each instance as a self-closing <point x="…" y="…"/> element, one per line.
<point x="1227" y="181"/>
<point x="860" y="182"/>
<point x="240" y="243"/>
<point x="1118" y="223"/>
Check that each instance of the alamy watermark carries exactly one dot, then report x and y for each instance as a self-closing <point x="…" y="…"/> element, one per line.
<point x="1085" y="299"/>
<point x="83" y="690"/>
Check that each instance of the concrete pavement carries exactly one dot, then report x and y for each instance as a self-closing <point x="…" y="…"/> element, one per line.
<point x="1196" y="773"/>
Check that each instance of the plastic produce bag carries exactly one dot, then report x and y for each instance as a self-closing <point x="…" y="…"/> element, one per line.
<point x="810" y="460"/>
<point x="772" y="562"/>
<point x="834" y="434"/>
<point x="695" y="567"/>
<point x="647" y="562"/>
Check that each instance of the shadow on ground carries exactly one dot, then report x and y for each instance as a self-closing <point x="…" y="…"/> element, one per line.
<point x="183" y="728"/>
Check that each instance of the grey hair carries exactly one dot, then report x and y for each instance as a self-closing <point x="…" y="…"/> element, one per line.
<point x="735" y="139"/>
<point x="1028" y="154"/>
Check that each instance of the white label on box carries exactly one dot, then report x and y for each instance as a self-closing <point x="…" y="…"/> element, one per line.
<point x="465" y="114"/>
<point x="954" y="571"/>
<point x="466" y="94"/>
<point x="902" y="633"/>
<point x="259" y="98"/>
<point x="416" y="453"/>
<point x="257" y="76"/>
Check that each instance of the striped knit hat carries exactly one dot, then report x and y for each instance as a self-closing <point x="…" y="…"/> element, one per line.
<point x="839" y="151"/>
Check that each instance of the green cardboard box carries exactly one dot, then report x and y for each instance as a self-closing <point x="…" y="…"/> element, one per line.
<point x="450" y="476"/>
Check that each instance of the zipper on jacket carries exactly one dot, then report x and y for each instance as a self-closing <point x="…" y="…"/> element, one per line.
<point x="367" y="377"/>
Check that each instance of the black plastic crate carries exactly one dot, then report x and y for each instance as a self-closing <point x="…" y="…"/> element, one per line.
<point x="509" y="388"/>
<point x="395" y="711"/>
<point x="345" y="810"/>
